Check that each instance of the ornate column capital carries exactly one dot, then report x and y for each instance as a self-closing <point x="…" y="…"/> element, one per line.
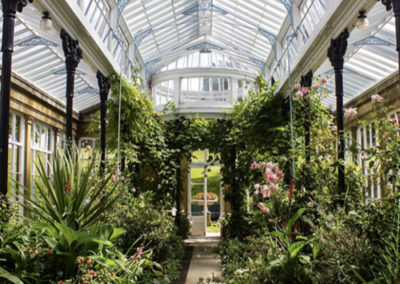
<point x="306" y="80"/>
<point x="72" y="51"/>
<point x="104" y="85"/>
<point x="388" y="4"/>
<point x="337" y="50"/>
<point x="12" y="6"/>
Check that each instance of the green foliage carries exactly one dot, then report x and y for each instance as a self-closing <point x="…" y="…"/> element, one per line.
<point x="74" y="196"/>
<point x="22" y="251"/>
<point x="325" y="243"/>
<point x="136" y="123"/>
<point x="257" y="129"/>
<point x="149" y="227"/>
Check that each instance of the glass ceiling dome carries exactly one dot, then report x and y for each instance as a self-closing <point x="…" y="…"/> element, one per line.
<point x="203" y="81"/>
<point x="206" y="58"/>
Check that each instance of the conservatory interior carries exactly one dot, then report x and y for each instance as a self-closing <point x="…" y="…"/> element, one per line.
<point x="200" y="141"/>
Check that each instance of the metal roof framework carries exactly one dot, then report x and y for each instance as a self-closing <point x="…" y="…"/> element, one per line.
<point x="167" y="30"/>
<point x="39" y="58"/>
<point x="371" y="57"/>
<point x="266" y="36"/>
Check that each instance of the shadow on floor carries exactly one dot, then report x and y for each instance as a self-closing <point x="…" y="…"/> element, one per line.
<point x="185" y="265"/>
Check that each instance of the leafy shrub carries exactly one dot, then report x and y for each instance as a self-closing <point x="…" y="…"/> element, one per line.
<point x="73" y="196"/>
<point x="153" y="228"/>
<point x="23" y="252"/>
<point x="184" y="225"/>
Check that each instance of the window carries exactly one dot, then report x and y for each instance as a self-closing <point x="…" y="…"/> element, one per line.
<point x="16" y="150"/>
<point x="42" y="146"/>
<point x="366" y="139"/>
<point x="164" y="92"/>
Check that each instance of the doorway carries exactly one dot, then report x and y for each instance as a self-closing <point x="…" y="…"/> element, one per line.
<point x="205" y="196"/>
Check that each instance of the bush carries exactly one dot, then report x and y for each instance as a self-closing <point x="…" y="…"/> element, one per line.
<point x="151" y="228"/>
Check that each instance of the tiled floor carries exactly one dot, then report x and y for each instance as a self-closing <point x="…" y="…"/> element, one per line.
<point x="205" y="263"/>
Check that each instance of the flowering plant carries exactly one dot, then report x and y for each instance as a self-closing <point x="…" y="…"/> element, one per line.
<point x="271" y="177"/>
<point x="73" y="196"/>
<point x="210" y="196"/>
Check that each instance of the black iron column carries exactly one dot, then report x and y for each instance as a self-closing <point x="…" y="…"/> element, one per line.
<point x="104" y="86"/>
<point x="395" y="5"/>
<point x="73" y="54"/>
<point x="306" y="81"/>
<point x="336" y="53"/>
<point x="10" y="8"/>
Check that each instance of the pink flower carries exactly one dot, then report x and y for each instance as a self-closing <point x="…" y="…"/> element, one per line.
<point x="305" y="90"/>
<point x="272" y="178"/>
<point x="68" y="186"/>
<point x="322" y="148"/>
<point x="139" y="252"/>
<point x="113" y="178"/>
<point x="266" y="193"/>
<point x="324" y="80"/>
<point x="257" y="192"/>
<point x="350" y="113"/>
<point x="315" y="87"/>
<point x="265" y="210"/>
<point x="138" y="255"/>
<point x="394" y="120"/>
<point x="257" y="186"/>
<point x="280" y="175"/>
<point x="260" y="205"/>
<point x="376" y="98"/>
<point x="270" y="165"/>
<point x="273" y="188"/>
<point x="363" y="156"/>
<point x="98" y="117"/>
<point x="262" y="165"/>
<point x="299" y="94"/>
<point x="133" y="189"/>
<point x="254" y="165"/>
<point x="267" y="173"/>
<point x="106" y="121"/>
<point x="297" y="86"/>
<point x="88" y="147"/>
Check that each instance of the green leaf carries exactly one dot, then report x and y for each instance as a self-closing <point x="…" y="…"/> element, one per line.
<point x="7" y="275"/>
<point x="315" y="250"/>
<point x="280" y="235"/>
<point x="116" y="233"/>
<point x="276" y="262"/>
<point x="89" y="240"/>
<point x="295" y="248"/>
<point x="294" y="219"/>
<point x="68" y="233"/>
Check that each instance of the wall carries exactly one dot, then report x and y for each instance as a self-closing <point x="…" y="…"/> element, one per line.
<point x="36" y="111"/>
<point x="363" y="135"/>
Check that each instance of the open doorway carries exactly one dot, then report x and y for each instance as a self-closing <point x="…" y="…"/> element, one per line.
<point x="205" y="196"/>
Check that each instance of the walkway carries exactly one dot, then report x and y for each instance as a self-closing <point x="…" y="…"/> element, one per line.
<point x="204" y="263"/>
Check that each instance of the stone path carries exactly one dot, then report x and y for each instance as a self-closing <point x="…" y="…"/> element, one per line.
<point x="204" y="263"/>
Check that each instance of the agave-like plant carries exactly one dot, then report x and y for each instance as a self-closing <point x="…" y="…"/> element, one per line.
<point x="74" y="195"/>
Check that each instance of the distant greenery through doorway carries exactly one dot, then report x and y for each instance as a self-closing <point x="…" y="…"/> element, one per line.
<point x="213" y="183"/>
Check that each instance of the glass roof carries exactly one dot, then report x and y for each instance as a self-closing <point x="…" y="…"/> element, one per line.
<point x="246" y="29"/>
<point x="256" y="36"/>
<point x="371" y="57"/>
<point x="210" y="59"/>
<point x="39" y="58"/>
